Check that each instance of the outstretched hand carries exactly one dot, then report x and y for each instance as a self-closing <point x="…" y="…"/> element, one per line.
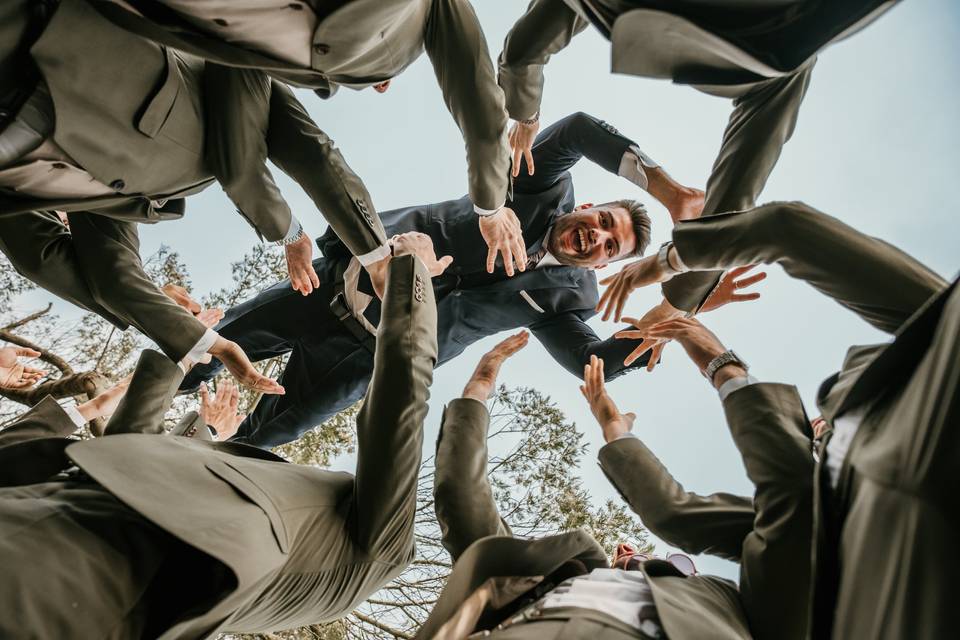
<point x="421" y="245"/>
<point x="106" y="403"/>
<point x="14" y="374"/>
<point x="638" y="274"/>
<point x="661" y="312"/>
<point x="726" y="291"/>
<point x="699" y="342"/>
<point x="237" y="363"/>
<point x="220" y="411"/>
<point x="504" y="235"/>
<point x="613" y="423"/>
<point x="484" y="378"/>
<point x="303" y="277"/>
<point x="522" y="137"/>
<point x="207" y="317"/>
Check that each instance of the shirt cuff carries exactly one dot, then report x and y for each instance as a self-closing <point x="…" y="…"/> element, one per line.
<point x="74" y="415"/>
<point x="733" y="384"/>
<point x="293" y="231"/>
<point x="632" y="165"/>
<point x="200" y="349"/>
<point x="486" y="212"/>
<point x="628" y="434"/>
<point x="376" y="255"/>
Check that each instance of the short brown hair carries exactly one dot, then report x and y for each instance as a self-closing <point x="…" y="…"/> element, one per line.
<point x="640" y="220"/>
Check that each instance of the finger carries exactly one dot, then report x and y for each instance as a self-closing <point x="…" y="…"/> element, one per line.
<point x="736" y="272"/>
<point x="744" y="297"/>
<point x="603" y="298"/>
<point x="312" y="274"/>
<point x="610" y="279"/>
<point x="33" y="371"/>
<point x="632" y="321"/>
<point x="265" y="385"/>
<point x="583" y="390"/>
<point x="528" y="155"/>
<point x="443" y="263"/>
<point x="27" y="352"/>
<point x="655" y="356"/>
<point x="613" y="292"/>
<point x="641" y="349"/>
<point x="746" y="282"/>
<point x="630" y="334"/>
<point x="520" y="251"/>
<point x="516" y="158"/>
<point x="621" y="302"/>
<point x="204" y="395"/>
<point x="507" y="253"/>
<point x="491" y="258"/>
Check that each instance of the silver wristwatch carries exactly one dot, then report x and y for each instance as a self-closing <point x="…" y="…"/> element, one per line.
<point x="292" y="239"/>
<point x="663" y="260"/>
<point x="722" y="360"/>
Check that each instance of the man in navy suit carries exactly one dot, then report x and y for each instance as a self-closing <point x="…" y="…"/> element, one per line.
<point x="330" y="342"/>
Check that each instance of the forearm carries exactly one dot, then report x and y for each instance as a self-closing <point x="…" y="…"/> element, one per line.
<point x="878" y="282"/>
<point x="147" y="399"/>
<point x="237" y="112"/>
<point x="546" y="28"/>
<point x="458" y="50"/>
<point x="390" y="423"/>
<point x="463" y="499"/>
<point x="310" y="157"/>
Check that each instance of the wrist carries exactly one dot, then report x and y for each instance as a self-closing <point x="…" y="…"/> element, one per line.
<point x="88" y="410"/>
<point x="728" y="372"/>
<point x="614" y="430"/>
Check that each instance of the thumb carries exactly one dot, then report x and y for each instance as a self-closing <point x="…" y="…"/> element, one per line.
<point x="444" y="262"/>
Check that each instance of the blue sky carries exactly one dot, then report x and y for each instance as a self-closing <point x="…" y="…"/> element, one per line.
<point x="877" y="145"/>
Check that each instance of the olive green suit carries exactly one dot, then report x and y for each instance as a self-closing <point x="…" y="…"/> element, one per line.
<point x="363" y="42"/>
<point x="295" y="545"/>
<point x="885" y="538"/>
<point x="769" y="535"/>
<point x="158" y="125"/>
<point x="758" y="53"/>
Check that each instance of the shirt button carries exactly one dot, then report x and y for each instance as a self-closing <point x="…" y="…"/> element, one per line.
<point x="220" y="21"/>
<point x="322" y="49"/>
<point x="118" y="185"/>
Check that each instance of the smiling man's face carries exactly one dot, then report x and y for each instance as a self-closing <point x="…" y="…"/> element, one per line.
<point x="592" y="236"/>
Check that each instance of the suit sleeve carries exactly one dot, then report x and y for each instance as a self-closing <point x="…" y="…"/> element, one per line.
<point x="46" y="419"/>
<point x="768" y="425"/>
<point x="236" y="121"/>
<point x="547" y="27"/>
<point x="564" y="143"/>
<point x="151" y="391"/>
<point x="571" y="342"/>
<point x="461" y="61"/>
<point x="108" y="255"/>
<point x="390" y="423"/>
<point x="306" y="154"/>
<point x="875" y="280"/>
<point x="462" y="496"/>
<point x="714" y="524"/>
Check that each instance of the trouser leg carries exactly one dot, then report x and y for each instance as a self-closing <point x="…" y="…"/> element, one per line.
<point x="41" y="248"/>
<point x="269" y="324"/>
<point x="325" y="375"/>
<point x="762" y="121"/>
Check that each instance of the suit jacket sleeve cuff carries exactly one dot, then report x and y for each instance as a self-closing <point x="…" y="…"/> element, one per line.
<point x="633" y="165"/>
<point x="376" y="255"/>
<point x="201" y="347"/>
<point x="74" y="415"/>
<point x="480" y="211"/>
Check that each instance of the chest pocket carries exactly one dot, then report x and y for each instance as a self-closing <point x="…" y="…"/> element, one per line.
<point x="174" y="111"/>
<point x="249" y="490"/>
<point x="529" y="300"/>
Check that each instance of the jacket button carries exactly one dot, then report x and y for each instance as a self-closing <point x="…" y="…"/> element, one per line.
<point x="322" y="49"/>
<point x="220" y="21"/>
<point x="118" y="185"/>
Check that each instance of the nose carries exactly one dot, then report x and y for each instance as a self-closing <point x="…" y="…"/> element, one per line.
<point x="594" y="237"/>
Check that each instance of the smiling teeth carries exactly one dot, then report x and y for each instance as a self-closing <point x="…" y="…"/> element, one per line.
<point x="583" y="241"/>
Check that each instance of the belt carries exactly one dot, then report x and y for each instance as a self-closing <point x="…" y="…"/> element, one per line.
<point x="343" y="312"/>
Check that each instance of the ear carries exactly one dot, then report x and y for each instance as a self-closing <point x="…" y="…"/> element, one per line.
<point x="585" y="205"/>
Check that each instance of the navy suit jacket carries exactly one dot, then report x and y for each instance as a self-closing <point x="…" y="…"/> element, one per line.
<point x="554" y="303"/>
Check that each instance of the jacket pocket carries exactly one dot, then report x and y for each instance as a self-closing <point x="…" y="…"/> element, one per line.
<point x="249" y="489"/>
<point x="171" y="111"/>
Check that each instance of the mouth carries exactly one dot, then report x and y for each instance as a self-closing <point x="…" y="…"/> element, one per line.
<point x="578" y="240"/>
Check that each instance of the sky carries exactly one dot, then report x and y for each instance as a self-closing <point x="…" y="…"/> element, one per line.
<point x="877" y="145"/>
